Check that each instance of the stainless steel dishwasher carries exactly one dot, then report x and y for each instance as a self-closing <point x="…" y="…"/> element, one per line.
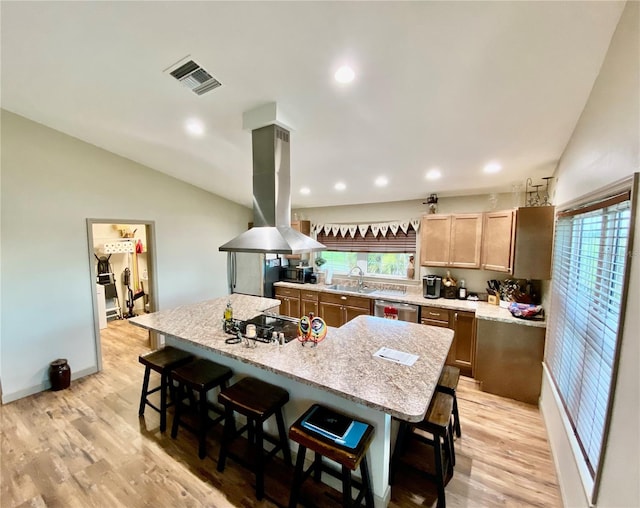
<point x="405" y="311"/>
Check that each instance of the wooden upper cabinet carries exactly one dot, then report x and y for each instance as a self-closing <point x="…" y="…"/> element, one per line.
<point x="498" y="241"/>
<point x="435" y="236"/>
<point x="533" y="242"/>
<point x="466" y="238"/>
<point x="519" y="242"/>
<point x="451" y="240"/>
<point x="304" y="227"/>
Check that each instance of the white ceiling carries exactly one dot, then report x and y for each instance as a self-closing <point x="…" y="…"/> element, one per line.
<point x="447" y="84"/>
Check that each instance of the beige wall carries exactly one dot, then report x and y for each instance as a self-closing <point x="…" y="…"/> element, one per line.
<point x="51" y="183"/>
<point x="604" y="149"/>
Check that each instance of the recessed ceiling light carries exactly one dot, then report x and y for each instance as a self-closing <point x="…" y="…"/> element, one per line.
<point x="340" y="186"/>
<point x="344" y="74"/>
<point x="381" y="181"/>
<point x="492" y="167"/>
<point x="194" y="127"/>
<point x="433" y="174"/>
<point x="305" y="190"/>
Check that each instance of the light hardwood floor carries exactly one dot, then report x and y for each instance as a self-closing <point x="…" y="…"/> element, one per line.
<point x="85" y="446"/>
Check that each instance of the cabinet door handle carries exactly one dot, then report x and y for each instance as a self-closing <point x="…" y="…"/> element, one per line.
<point x="455" y="318"/>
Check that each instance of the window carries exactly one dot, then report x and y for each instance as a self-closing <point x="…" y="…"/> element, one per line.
<point x="587" y="294"/>
<point x="378" y="255"/>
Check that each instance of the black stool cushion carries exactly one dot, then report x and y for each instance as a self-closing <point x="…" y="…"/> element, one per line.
<point x="202" y="374"/>
<point x="254" y="398"/>
<point x="165" y="358"/>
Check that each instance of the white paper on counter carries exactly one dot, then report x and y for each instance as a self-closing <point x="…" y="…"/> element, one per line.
<point x="393" y="355"/>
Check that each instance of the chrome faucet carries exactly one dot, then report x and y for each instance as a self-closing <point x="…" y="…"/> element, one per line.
<point x="360" y="278"/>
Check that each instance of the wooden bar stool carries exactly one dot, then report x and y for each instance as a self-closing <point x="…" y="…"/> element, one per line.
<point x="448" y="383"/>
<point x="163" y="361"/>
<point x="348" y="458"/>
<point x="257" y="401"/>
<point x="198" y="377"/>
<point x="437" y="422"/>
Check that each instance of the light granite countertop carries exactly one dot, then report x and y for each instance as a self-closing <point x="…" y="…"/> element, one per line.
<point x="343" y="363"/>
<point x="413" y="295"/>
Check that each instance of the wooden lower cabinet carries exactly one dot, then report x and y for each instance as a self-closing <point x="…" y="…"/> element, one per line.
<point x="290" y="299"/>
<point x="509" y="359"/>
<point x="337" y="309"/>
<point x="463" y="348"/>
<point x="332" y="314"/>
<point x="435" y="316"/>
<point x="308" y="303"/>
<point x="461" y="353"/>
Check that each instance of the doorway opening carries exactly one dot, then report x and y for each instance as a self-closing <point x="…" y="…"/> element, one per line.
<point x="122" y="260"/>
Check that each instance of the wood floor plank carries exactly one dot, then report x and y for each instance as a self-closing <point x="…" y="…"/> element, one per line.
<point x="86" y="446"/>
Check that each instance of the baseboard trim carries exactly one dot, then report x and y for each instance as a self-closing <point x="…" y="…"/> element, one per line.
<point x="44" y="386"/>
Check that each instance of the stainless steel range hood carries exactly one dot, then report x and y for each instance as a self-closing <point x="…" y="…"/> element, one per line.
<point x="272" y="231"/>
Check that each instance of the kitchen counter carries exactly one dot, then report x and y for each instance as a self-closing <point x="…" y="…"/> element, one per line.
<point x="342" y="364"/>
<point x="483" y="310"/>
<point x="340" y="372"/>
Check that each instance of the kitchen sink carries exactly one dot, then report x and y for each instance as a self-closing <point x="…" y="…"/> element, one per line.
<point x="351" y="289"/>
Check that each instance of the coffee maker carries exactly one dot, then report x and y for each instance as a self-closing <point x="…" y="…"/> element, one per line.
<point x="431" y="286"/>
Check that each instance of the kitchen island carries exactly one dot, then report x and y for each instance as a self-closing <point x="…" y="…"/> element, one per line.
<point x="341" y="372"/>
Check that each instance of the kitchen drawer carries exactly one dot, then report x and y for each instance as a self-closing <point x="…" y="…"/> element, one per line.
<point x="309" y="295"/>
<point x="293" y="293"/>
<point x="350" y="301"/>
<point x="435" y="316"/>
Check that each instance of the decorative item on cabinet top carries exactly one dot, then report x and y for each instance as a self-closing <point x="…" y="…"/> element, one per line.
<point x="532" y="193"/>
<point x="432" y="201"/>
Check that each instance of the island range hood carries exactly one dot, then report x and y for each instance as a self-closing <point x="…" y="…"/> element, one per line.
<point x="272" y="231"/>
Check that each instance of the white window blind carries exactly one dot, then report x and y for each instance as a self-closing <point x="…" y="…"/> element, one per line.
<point x="589" y="262"/>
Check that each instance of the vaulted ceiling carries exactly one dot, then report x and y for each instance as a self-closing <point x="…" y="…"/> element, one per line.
<point x="446" y="85"/>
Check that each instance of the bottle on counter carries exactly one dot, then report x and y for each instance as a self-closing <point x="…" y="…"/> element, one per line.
<point x="462" y="290"/>
<point x="228" y="312"/>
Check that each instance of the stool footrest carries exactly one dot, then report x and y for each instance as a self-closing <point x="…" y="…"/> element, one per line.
<point x="331" y="472"/>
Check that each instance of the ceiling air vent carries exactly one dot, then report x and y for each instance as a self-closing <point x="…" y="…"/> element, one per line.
<point x="194" y="77"/>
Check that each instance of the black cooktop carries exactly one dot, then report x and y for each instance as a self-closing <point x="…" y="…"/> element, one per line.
<point x="265" y="326"/>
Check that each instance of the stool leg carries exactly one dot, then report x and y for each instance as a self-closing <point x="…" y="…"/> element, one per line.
<point x="403" y="431"/>
<point x="456" y="416"/>
<point x="251" y="437"/>
<point x="452" y="450"/>
<point x="297" y="477"/>
<point x="347" y="500"/>
<point x="437" y="448"/>
<point x="317" y="467"/>
<point x="178" y="412"/>
<point x="366" y="482"/>
<point x="145" y="389"/>
<point x="284" y="442"/>
<point x="229" y="426"/>
<point x="164" y="383"/>
<point x="259" y="461"/>
<point x="204" y="419"/>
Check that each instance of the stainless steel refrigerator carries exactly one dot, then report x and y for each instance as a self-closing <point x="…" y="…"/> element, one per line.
<point x="252" y="274"/>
